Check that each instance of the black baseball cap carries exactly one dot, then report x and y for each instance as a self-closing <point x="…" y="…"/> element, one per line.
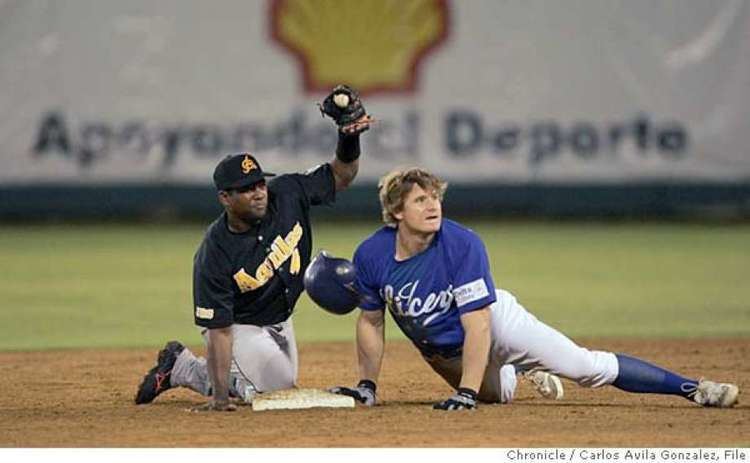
<point x="237" y="171"/>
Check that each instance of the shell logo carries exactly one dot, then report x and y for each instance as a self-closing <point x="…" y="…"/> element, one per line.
<point x="375" y="46"/>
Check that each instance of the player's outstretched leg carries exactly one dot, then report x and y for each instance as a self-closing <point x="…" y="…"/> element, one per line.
<point x="531" y="344"/>
<point x="158" y="379"/>
<point x="636" y="375"/>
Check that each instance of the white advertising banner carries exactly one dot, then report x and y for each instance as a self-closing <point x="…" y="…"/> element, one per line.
<point x="506" y="92"/>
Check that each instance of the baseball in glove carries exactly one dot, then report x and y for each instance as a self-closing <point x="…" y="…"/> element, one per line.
<point x="345" y="108"/>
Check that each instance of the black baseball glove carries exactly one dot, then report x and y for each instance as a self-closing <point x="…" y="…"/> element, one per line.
<point x="345" y="108"/>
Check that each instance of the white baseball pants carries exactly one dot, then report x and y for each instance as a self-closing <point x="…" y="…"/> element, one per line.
<point x="521" y="340"/>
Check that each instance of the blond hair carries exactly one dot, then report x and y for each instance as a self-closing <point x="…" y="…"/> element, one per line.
<point x="395" y="185"/>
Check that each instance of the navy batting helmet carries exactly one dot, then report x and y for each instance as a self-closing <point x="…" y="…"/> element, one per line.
<point x="329" y="281"/>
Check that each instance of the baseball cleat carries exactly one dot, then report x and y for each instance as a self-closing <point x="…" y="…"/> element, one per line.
<point x="156" y="380"/>
<point x="546" y="384"/>
<point x="711" y="394"/>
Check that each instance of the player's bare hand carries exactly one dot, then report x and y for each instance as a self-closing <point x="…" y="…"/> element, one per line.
<point x="360" y="125"/>
<point x="215" y="406"/>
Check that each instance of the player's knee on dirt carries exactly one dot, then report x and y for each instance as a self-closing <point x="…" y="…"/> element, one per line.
<point x="498" y="385"/>
<point x="508" y="383"/>
<point x="276" y="375"/>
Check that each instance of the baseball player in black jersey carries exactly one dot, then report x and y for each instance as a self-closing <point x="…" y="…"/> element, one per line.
<point x="248" y="271"/>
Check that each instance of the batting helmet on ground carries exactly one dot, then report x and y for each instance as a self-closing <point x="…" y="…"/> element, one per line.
<point x="329" y="281"/>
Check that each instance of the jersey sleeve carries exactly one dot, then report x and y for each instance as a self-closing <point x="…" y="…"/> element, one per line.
<point x="316" y="186"/>
<point x="366" y="283"/>
<point x="213" y="294"/>
<point x="473" y="287"/>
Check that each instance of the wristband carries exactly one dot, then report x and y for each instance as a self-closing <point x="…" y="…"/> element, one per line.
<point x="348" y="149"/>
<point x="466" y="392"/>
<point x="367" y="384"/>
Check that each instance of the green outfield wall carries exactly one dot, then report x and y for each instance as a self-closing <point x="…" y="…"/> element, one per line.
<point x="115" y="202"/>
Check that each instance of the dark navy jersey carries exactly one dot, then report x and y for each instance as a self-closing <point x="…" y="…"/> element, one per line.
<point x="427" y="293"/>
<point x="255" y="278"/>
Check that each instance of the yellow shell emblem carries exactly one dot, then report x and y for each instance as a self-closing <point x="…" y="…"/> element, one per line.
<point x="248" y="165"/>
<point x="371" y="45"/>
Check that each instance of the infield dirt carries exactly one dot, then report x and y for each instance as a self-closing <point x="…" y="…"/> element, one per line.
<point x="84" y="398"/>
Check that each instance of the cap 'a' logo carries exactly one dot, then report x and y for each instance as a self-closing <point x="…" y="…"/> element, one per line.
<point x="248" y="165"/>
<point x="372" y="45"/>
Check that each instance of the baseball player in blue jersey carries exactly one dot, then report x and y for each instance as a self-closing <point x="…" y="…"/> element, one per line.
<point x="433" y="276"/>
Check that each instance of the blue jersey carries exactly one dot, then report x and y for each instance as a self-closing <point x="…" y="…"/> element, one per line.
<point x="427" y="293"/>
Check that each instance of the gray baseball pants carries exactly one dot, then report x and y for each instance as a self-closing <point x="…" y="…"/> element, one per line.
<point x="264" y="359"/>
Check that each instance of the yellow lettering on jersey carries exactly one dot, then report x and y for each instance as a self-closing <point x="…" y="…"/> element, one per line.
<point x="295" y="265"/>
<point x="294" y="236"/>
<point x="246" y="282"/>
<point x="264" y="272"/>
<point x="281" y="250"/>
